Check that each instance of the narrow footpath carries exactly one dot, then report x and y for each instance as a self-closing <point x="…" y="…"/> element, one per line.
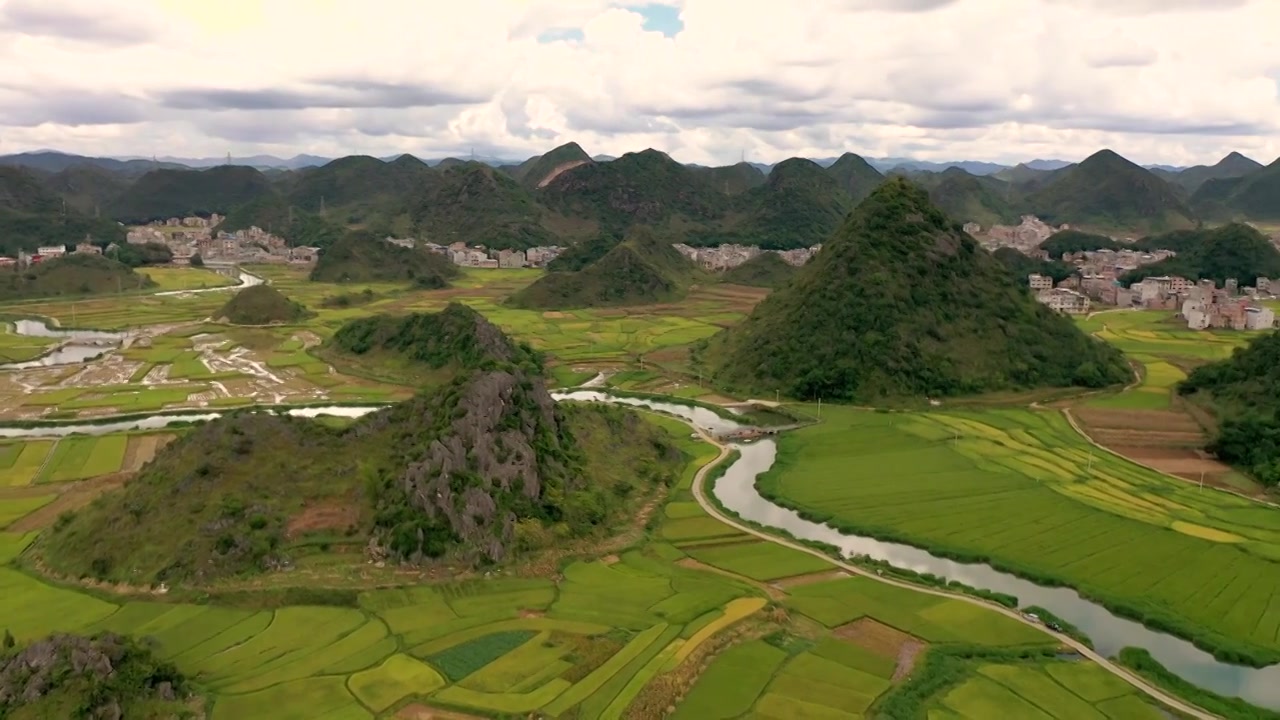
<point x="699" y="493"/>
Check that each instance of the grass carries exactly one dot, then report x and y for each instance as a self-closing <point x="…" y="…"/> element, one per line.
<point x="730" y="686"/>
<point x="461" y="660"/>
<point x="760" y="560"/>
<point x="78" y="458"/>
<point x="21" y="461"/>
<point x="1008" y="485"/>
<point x="188" y="278"/>
<point x="398" y="677"/>
<point x="12" y="509"/>
<point x="1033" y="691"/>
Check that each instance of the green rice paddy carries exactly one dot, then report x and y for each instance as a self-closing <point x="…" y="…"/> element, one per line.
<point x="603" y="642"/>
<point x="1020" y="488"/>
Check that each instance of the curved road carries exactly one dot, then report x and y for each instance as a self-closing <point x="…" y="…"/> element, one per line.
<point x="699" y="493"/>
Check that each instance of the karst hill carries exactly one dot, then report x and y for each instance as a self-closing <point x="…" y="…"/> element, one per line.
<point x="900" y="302"/>
<point x="642" y="269"/>
<point x="262" y="305"/>
<point x="476" y="468"/>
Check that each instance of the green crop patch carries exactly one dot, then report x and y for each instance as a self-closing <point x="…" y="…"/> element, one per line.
<point x="1007" y="484"/>
<point x="730" y="686"/>
<point x="31" y="609"/>
<point x="649" y="640"/>
<point x="17" y="508"/>
<point x="461" y="660"/>
<point x="308" y="699"/>
<point x="395" y="679"/>
<point x="78" y="458"/>
<point x="758" y="560"/>
<point x="13" y="544"/>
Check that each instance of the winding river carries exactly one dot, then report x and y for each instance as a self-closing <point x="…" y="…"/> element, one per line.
<point x="736" y="491"/>
<point x="1109" y="632"/>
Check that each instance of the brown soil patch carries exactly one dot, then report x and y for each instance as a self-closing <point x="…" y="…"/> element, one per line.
<point x="775" y="593"/>
<point x="1163" y="421"/>
<point x="1144" y="438"/>
<point x="885" y="641"/>
<point x="1175" y="461"/>
<point x="426" y="712"/>
<point x="142" y="449"/>
<point x="335" y="514"/>
<point x="610" y="559"/>
<point x="532" y="614"/>
<point x="810" y="579"/>
<point x="75" y="496"/>
<point x="555" y="315"/>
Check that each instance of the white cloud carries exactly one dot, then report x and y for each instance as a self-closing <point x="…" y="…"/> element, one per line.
<point x="935" y="78"/>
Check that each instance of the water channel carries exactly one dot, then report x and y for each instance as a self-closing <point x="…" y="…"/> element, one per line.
<point x="83" y="345"/>
<point x="736" y="491"/>
<point x="1109" y="632"/>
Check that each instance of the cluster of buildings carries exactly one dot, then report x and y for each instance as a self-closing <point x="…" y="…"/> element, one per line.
<point x="48" y="252"/>
<point x="1025" y="236"/>
<point x="726" y="257"/>
<point x="1200" y="303"/>
<point x="190" y="236"/>
<point x="460" y="253"/>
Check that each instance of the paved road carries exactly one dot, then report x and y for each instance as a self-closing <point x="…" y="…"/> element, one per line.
<point x="699" y="493"/>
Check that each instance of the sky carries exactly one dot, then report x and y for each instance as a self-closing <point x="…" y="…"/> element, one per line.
<point x="1178" y="82"/>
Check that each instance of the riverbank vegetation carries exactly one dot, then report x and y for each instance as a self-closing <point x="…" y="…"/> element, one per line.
<point x="1001" y="486"/>
<point x="1141" y="662"/>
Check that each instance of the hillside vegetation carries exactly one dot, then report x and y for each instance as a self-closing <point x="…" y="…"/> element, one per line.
<point x="262" y="305"/>
<point x="364" y="257"/>
<point x="767" y="270"/>
<point x="539" y="170"/>
<point x="32" y="215"/>
<point x="478" y="205"/>
<point x="176" y="193"/>
<point x="855" y="176"/>
<point x="1230" y="251"/>
<point x="1108" y="191"/>
<point x="477" y="469"/>
<point x="901" y="303"/>
<point x="1254" y="196"/>
<point x="642" y="269"/>
<point x="1244" y="394"/>
<point x="969" y="198"/>
<point x="798" y="206"/>
<point x="69" y="677"/>
<point x="74" y="274"/>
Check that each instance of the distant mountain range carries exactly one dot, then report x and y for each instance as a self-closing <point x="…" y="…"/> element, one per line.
<point x="53" y="161"/>
<point x="566" y="197"/>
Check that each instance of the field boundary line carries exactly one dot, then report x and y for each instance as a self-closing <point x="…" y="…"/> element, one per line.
<point x="1071" y="420"/>
<point x="699" y="493"/>
<point x="35" y="479"/>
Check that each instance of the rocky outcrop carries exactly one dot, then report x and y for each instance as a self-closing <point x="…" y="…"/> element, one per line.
<point x="108" y="671"/>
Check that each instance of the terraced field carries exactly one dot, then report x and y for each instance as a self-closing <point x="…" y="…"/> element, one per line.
<point x="697" y="617"/>
<point x="1022" y="489"/>
<point x="1149" y="422"/>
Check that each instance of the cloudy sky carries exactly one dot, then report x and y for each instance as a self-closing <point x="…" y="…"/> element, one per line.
<point x="1160" y="81"/>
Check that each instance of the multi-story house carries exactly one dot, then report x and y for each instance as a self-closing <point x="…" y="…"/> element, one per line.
<point x="1039" y="282"/>
<point x="1064" y="301"/>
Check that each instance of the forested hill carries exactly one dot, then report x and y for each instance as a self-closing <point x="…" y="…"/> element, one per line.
<point x="644" y="268"/>
<point x="1244" y="394"/>
<point x="364" y="257"/>
<point x="901" y="303"/>
<point x="1230" y="251"/>
<point x="477" y="468"/>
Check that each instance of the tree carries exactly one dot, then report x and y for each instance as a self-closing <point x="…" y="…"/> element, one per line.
<point x="197" y="261"/>
<point x="9" y="642"/>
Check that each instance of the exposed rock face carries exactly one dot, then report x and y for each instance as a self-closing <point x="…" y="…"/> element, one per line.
<point x="496" y="445"/>
<point x="109" y="670"/>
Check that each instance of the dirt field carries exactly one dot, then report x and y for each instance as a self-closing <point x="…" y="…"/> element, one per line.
<point x="76" y="496"/>
<point x="334" y="514"/>
<point x="797" y="581"/>
<point x="142" y="448"/>
<point x="886" y="641"/>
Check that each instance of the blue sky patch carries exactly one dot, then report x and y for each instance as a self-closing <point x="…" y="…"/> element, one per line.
<point x="660" y="18"/>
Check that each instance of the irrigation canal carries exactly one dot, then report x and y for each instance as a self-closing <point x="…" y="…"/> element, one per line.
<point x="736" y="491"/>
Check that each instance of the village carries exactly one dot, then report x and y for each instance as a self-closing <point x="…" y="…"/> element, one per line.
<point x="727" y="257"/>
<point x="1202" y="304"/>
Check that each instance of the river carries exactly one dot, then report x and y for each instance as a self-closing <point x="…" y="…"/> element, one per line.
<point x="1109" y="632"/>
<point x="736" y="491"/>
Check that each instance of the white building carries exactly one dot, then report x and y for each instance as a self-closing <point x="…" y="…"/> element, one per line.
<point x="1064" y="301"/>
<point x="1039" y="282"/>
<point x="1259" y="318"/>
<point x="45" y="251"/>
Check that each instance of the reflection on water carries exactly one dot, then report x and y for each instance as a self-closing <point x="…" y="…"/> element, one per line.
<point x="159" y="422"/>
<point x="736" y="490"/>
